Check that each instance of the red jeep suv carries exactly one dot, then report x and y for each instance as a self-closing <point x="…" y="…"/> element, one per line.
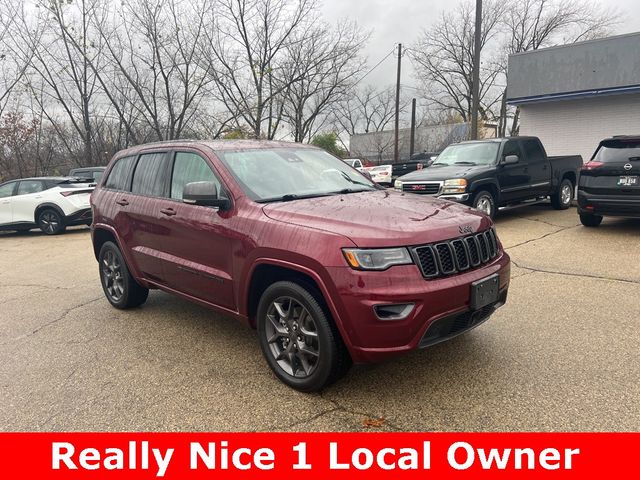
<point x="327" y="266"/>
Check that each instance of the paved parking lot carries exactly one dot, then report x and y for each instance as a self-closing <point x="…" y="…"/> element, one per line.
<point x="561" y="355"/>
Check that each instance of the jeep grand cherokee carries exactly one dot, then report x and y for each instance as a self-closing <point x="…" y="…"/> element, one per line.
<point x="328" y="267"/>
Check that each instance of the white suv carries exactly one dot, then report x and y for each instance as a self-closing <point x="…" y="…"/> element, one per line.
<point x="50" y="203"/>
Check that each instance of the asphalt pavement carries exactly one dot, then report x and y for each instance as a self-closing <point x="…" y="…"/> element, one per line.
<point x="561" y="355"/>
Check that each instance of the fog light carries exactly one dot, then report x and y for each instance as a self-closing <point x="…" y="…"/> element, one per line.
<point x="398" y="311"/>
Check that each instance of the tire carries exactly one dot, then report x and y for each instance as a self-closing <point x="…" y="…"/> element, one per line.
<point x="118" y="285"/>
<point x="51" y="222"/>
<point x="283" y="340"/>
<point x="484" y="201"/>
<point x="561" y="200"/>
<point x="589" y="220"/>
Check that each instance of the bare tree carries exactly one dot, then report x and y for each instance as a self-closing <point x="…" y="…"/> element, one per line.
<point x="444" y="59"/>
<point x="249" y="40"/>
<point x="367" y="110"/>
<point x="325" y="63"/>
<point x="533" y="24"/>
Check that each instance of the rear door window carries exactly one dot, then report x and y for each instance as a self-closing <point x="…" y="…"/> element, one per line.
<point x="26" y="187"/>
<point x="149" y="175"/>
<point x="618" y="151"/>
<point x="191" y="167"/>
<point x="118" y="178"/>
<point x="533" y="151"/>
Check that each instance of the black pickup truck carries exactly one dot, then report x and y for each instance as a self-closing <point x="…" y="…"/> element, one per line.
<point x="498" y="172"/>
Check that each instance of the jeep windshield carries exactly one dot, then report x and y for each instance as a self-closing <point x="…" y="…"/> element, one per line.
<point x="480" y="153"/>
<point x="285" y="174"/>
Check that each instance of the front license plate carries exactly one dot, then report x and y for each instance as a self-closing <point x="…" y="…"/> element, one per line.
<point x="485" y="292"/>
<point x="628" y="181"/>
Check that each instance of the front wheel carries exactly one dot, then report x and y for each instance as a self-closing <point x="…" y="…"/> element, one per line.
<point x="298" y="339"/>
<point x="561" y="200"/>
<point x="119" y="286"/>
<point x="589" y="220"/>
<point x="484" y="201"/>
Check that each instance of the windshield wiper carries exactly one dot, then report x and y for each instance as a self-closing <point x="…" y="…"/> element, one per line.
<point x="464" y="163"/>
<point x="354" y="190"/>
<point x="292" y="196"/>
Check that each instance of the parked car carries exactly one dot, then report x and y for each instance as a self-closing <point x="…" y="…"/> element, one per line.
<point x="610" y="181"/>
<point x="354" y="162"/>
<point x="381" y="174"/>
<point x="49" y="203"/>
<point x="275" y="235"/>
<point x="417" y="161"/>
<point x="493" y="173"/>
<point x="94" y="174"/>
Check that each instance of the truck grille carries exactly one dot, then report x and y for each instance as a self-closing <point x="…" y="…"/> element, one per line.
<point x="422" y="188"/>
<point x="458" y="255"/>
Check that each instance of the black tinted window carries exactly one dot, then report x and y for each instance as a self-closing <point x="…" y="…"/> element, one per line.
<point x="30" y="186"/>
<point x="618" y="151"/>
<point x="187" y="168"/>
<point x="533" y="150"/>
<point x="148" y="178"/>
<point x="119" y="174"/>
<point x="511" y="148"/>
<point x="6" y="190"/>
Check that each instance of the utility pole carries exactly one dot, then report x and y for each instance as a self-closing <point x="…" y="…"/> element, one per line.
<point x="413" y="128"/>
<point x="396" y="156"/>
<point x="475" y="91"/>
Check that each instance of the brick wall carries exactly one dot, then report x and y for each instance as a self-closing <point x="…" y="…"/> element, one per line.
<point x="572" y="127"/>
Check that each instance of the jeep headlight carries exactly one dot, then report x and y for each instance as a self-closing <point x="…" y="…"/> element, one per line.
<point x="398" y="185"/>
<point x="454" y="185"/>
<point x="376" y="258"/>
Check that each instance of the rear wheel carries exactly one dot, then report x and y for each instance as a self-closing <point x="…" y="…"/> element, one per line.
<point x="298" y="339"/>
<point x="51" y="222"/>
<point x="561" y="200"/>
<point x="119" y="286"/>
<point x="484" y="201"/>
<point x="589" y="220"/>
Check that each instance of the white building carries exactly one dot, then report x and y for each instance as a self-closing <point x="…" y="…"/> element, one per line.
<point x="575" y="95"/>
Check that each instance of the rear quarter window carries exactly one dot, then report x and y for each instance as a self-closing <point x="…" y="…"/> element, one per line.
<point x="149" y="175"/>
<point x="119" y="174"/>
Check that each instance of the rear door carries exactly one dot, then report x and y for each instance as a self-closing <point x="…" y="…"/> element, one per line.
<point x="539" y="168"/>
<point x="614" y="169"/>
<point x="148" y="229"/>
<point x="514" y="179"/>
<point x="28" y="196"/>
<point x="199" y="239"/>
<point x="6" y="202"/>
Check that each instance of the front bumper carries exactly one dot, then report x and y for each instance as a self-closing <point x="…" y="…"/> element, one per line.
<point x="613" y="205"/>
<point x="463" y="197"/>
<point x="441" y="307"/>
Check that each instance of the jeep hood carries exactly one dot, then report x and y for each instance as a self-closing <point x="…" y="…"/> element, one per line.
<point x="381" y="218"/>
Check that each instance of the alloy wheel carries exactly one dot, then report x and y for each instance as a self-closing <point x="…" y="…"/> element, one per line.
<point x="292" y="336"/>
<point x="484" y="205"/>
<point x="49" y="222"/>
<point x="112" y="275"/>
<point x="565" y="194"/>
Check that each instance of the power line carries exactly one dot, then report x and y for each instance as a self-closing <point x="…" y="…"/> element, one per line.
<point x="374" y="67"/>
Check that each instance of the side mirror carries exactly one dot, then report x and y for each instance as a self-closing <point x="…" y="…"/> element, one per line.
<point x="510" y="160"/>
<point x="204" y="194"/>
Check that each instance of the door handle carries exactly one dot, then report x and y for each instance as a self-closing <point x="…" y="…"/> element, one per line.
<point x="124" y="202"/>
<point x="168" y="211"/>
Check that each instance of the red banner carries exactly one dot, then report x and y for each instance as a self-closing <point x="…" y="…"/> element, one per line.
<point x="326" y="456"/>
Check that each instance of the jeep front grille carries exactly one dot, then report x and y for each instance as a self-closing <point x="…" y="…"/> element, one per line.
<point x="457" y="255"/>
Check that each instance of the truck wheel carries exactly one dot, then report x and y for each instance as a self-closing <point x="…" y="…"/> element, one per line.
<point x="561" y="200"/>
<point x="484" y="201"/>
<point x="298" y="339"/>
<point x="589" y="220"/>
<point x="51" y="222"/>
<point x="119" y="286"/>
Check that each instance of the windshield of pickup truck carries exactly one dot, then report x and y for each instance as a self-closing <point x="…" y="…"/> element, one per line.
<point x="481" y="153"/>
<point x="284" y="174"/>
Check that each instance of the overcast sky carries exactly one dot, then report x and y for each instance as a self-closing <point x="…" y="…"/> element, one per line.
<point x="400" y="21"/>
